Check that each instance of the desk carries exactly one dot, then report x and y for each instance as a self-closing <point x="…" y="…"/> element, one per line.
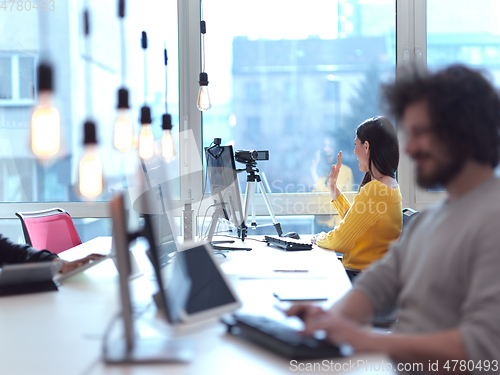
<point x="61" y="332"/>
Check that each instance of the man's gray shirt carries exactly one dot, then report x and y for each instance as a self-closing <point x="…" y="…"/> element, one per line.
<point x="444" y="272"/>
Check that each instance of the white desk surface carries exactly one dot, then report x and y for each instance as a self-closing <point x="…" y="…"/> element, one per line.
<point x="61" y="332"/>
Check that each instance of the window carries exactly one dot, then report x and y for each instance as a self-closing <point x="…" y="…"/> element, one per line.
<point x="24" y="180"/>
<point x="5" y="78"/>
<point x="26" y="77"/>
<point x="285" y="65"/>
<point x="253" y="129"/>
<point x="252" y="90"/>
<point x="466" y="35"/>
<point x="332" y="90"/>
<point x="17" y="79"/>
<point x="25" y="184"/>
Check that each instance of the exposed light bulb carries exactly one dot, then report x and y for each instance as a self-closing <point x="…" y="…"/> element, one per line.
<point x="146" y="142"/>
<point x="45" y="121"/>
<point x="203" y="102"/>
<point x="232" y="120"/>
<point x="90" y="179"/>
<point x="123" y="136"/>
<point x="90" y="173"/>
<point x="167" y="146"/>
<point x="45" y="128"/>
<point x="146" y="137"/>
<point x="167" y="142"/>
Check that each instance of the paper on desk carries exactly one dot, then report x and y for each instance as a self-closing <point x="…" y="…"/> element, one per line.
<point x="249" y="268"/>
<point x="297" y="290"/>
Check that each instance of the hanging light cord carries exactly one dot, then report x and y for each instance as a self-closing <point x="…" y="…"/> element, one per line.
<point x="88" y="68"/>
<point x="203" y="30"/>
<point x="165" y="57"/>
<point x="121" y="15"/>
<point x="44" y="36"/>
<point x="144" y="48"/>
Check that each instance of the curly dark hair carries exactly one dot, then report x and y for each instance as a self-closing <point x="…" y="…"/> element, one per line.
<point x="464" y="109"/>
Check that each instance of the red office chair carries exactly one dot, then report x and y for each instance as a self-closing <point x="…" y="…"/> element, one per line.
<point x="50" y="229"/>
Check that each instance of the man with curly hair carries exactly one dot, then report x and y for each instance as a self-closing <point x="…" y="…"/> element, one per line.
<point x="443" y="273"/>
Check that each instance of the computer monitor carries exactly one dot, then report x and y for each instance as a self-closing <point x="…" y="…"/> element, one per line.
<point x="155" y="201"/>
<point x="132" y="349"/>
<point x="224" y="189"/>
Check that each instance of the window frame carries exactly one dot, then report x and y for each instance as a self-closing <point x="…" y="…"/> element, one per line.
<point x="411" y="49"/>
<point x="16" y="101"/>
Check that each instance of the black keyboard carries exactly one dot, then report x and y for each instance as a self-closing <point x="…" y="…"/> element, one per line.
<point x="288" y="244"/>
<point x="280" y="338"/>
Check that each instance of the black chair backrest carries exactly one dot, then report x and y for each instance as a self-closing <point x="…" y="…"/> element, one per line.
<point x="407" y="214"/>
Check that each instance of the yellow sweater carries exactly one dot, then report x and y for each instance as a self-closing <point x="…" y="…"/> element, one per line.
<point x="368" y="226"/>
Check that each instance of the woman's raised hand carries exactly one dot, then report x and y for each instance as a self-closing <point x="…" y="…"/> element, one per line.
<point x="334" y="175"/>
<point x="334" y="172"/>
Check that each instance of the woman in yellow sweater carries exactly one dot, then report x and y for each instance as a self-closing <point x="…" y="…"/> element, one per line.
<point x="375" y="217"/>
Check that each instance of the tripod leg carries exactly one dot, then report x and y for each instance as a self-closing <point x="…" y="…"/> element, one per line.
<point x="247" y="200"/>
<point x="254" y="221"/>
<point x="242" y="232"/>
<point x="270" y="209"/>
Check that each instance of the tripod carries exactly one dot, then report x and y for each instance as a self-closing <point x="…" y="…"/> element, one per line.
<point x="252" y="177"/>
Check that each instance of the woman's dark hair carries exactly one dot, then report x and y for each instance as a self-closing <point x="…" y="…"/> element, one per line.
<point x="384" y="148"/>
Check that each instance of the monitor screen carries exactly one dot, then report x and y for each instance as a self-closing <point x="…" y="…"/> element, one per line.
<point x="224" y="182"/>
<point x="156" y="203"/>
<point x="163" y="237"/>
<point x="162" y="252"/>
<point x="208" y="289"/>
<point x="191" y="285"/>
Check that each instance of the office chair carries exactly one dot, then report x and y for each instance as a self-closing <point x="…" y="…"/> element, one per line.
<point x="407" y="214"/>
<point x="51" y="229"/>
<point x="385" y="318"/>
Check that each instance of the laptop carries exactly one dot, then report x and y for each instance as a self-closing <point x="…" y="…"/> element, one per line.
<point x="28" y="277"/>
<point x="59" y="278"/>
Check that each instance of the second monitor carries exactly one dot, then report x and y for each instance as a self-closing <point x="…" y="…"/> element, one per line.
<point x="225" y="191"/>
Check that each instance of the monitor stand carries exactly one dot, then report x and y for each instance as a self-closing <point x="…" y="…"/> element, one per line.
<point x="157" y="350"/>
<point x="130" y="348"/>
<point x="218" y="214"/>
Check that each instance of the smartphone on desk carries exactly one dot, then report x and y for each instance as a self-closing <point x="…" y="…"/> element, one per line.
<point x="300" y="291"/>
<point x="294" y="296"/>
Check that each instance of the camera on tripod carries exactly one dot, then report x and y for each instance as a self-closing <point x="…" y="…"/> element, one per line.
<point x="243" y="156"/>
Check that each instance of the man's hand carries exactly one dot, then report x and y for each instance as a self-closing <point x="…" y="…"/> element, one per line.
<point x="304" y="312"/>
<point x="339" y="330"/>
<point x="69" y="266"/>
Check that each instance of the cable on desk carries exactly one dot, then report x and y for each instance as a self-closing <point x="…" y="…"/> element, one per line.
<point x="202" y="237"/>
<point x="202" y="196"/>
<point x="246" y="238"/>
<point x="137" y="315"/>
<point x="107" y="332"/>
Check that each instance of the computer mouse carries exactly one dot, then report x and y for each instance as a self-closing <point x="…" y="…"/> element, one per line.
<point x="291" y="235"/>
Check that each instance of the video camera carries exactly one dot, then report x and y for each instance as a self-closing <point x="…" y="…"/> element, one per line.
<point x="252" y="156"/>
<point x="243" y="156"/>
